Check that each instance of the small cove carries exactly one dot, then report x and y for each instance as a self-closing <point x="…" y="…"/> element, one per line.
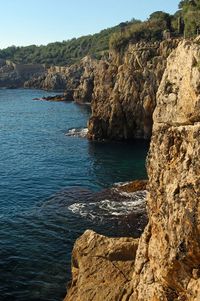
<point x="43" y="172"/>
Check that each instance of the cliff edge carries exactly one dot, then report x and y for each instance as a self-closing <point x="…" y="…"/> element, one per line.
<point x="167" y="262"/>
<point x="124" y="94"/>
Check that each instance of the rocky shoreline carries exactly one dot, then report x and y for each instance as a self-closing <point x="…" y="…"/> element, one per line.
<point x="152" y="90"/>
<point x="164" y="263"/>
<point x="121" y="88"/>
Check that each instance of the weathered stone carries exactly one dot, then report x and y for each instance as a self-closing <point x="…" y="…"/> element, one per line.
<point x="124" y="95"/>
<point x="77" y="78"/>
<point x="101" y="267"/>
<point x="169" y="250"/>
<point x="14" y="75"/>
<point x="167" y="263"/>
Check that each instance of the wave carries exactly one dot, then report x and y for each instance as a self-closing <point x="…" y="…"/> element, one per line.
<point x="112" y="207"/>
<point x="78" y="132"/>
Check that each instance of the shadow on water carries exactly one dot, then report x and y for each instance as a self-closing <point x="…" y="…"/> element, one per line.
<point x="118" y="161"/>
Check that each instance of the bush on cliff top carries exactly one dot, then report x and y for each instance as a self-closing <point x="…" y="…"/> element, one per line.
<point x="150" y="30"/>
<point x="191" y="16"/>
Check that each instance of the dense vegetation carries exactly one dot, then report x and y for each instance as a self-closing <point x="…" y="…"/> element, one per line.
<point x="186" y="21"/>
<point x="191" y="16"/>
<point x="150" y="30"/>
<point x="61" y="53"/>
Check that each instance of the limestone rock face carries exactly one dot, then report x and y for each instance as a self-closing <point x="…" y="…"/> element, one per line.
<point x="57" y="78"/>
<point x="101" y="267"/>
<point x="167" y="264"/>
<point x="125" y="87"/>
<point x="84" y="91"/>
<point x="77" y="79"/>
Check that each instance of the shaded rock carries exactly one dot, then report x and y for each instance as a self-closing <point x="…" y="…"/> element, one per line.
<point x="14" y="75"/>
<point x="77" y="78"/>
<point x="67" y="96"/>
<point x="125" y="87"/>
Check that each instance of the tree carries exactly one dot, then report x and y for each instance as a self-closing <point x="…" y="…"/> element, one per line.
<point x="191" y="16"/>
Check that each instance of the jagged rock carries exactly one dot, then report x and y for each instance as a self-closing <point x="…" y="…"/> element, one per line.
<point x="167" y="263"/>
<point x="67" y="96"/>
<point x="84" y="91"/>
<point x="169" y="251"/>
<point x="101" y="267"/>
<point x="124" y="96"/>
<point x="14" y="75"/>
<point x="77" y="78"/>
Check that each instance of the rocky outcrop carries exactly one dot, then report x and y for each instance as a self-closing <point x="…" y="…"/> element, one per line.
<point x="57" y="79"/>
<point x="167" y="262"/>
<point x="76" y="80"/>
<point x="125" y="89"/>
<point x="84" y="91"/>
<point x="14" y="75"/>
<point x="169" y="251"/>
<point x="98" y="259"/>
<point x="122" y="88"/>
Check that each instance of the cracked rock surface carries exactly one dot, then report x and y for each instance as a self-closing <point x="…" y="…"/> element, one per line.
<point x="101" y="267"/>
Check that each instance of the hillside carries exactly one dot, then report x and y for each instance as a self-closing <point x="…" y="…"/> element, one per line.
<point x="97" y="45"/>
<point x="159" y="25"/>
<point x="62" y="53"/>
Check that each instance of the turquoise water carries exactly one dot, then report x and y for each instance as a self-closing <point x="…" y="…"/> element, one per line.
<point x="43" y="172"/>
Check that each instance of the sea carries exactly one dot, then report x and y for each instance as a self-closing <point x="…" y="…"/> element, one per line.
<point x="55" y="184"/>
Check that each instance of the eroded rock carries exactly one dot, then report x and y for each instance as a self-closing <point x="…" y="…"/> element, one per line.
<point x="101" y="267"/>
<point x="167" y="263"/>
<point x="125" y="87"/>
<point x="169" y="250"/>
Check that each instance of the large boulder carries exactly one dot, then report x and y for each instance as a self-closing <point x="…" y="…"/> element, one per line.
<point x="101" y="267"/>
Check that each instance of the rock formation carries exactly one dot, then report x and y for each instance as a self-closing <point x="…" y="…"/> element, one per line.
<point x="113" y="258"/>
<point x="167" y="262"/>
<point x="122" y="88"/>
<point x="76" y="80"/>
<point x="125" y="87"/>
<point x="14" y="75"/>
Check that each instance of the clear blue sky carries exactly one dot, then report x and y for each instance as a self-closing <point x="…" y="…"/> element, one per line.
<point x="26" y="22"/>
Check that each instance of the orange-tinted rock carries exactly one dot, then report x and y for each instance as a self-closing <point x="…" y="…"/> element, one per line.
<point x="134" y="186"/>
<point x="101" y="267"/>
<point x="167" y="263"/>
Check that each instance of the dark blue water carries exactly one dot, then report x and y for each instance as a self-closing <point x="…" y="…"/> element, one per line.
<point x="43" y="172"/>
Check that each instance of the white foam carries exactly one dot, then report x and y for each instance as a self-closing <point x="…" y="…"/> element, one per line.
<point x="80" y="132"/>
<point x="110" y="208"/>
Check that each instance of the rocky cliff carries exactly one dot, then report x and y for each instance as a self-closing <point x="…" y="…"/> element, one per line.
<point x="167" y="262"/>
<point x="125" y="87"/>
<point x="122" y="88"/>
<point x="14" y="75"/>
<point x="76" y="80"/>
